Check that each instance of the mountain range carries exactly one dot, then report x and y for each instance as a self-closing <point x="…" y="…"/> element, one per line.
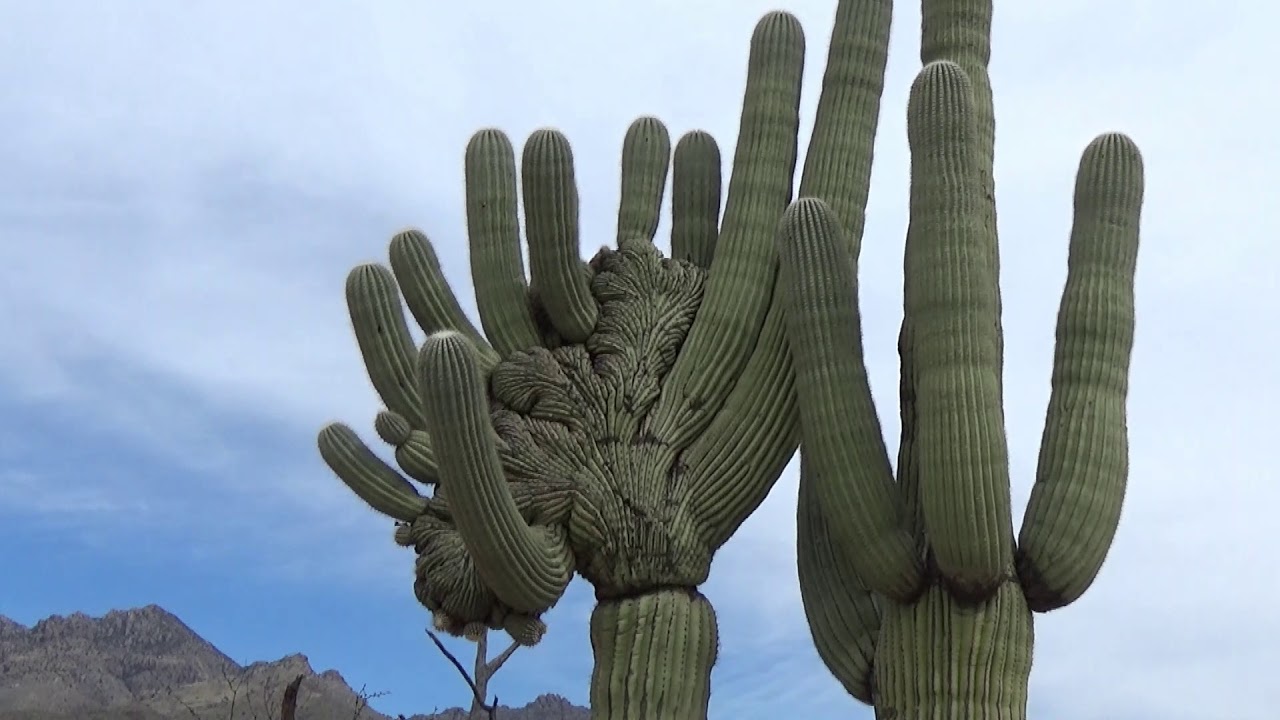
<point x="146" y="664"/>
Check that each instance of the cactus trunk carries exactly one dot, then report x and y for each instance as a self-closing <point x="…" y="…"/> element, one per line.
<point x="653" y="656"/>
<point x="938" y="659"/>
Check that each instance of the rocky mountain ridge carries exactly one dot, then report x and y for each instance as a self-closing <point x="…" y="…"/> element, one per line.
<point x="146" y="664"/>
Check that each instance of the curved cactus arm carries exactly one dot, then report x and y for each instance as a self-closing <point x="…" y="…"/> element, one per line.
<point x="560" y="277"/>
<point x="371" y="479"/>
<point x="962" y="456"/>
<point x="740" y="283"/>
<point x="388" y="350"/>
<point x="646" y="158"/>
<point x="842" y="613"/>
<point x="493" y="231"/>
<point x="523" y="566"/>
<point x="695" y="198"/>
<point x="837" y="164"/>
<point x="842" y="437"/>
<point x="1080" y="482"/>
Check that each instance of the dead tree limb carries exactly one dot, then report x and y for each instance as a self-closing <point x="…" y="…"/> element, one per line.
<point x="484" y="669"/>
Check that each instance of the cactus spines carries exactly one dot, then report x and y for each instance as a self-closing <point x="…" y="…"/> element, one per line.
<point x="958" y="643"/>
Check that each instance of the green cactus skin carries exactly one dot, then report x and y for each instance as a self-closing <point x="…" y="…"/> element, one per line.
<point x="918" y="598"/>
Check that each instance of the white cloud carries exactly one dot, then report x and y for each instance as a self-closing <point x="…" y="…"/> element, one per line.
<point x="185" y="189"/>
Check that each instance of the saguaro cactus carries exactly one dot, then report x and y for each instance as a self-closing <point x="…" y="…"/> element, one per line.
<point x="919" y="599"/>
<point x="619" y="418"/>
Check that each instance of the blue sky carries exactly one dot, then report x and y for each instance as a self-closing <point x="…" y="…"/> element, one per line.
<point x="185" y="186"/>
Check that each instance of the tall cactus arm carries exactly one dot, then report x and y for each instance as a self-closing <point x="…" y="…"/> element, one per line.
<point x="963" y="458"/>
<point x="842" y="437"/>
<point x="735" y="462"/>
<point x="646" y="156"/>
<point x="1080" y="482"/>
<point x="842" y="613"/>
<point x="740" y="283"/>
<point x="960" y="31"/>
<point x="388" y="350"/>
<point x="561" y="279"/>
<point x="527" y="568"/>
<point x="493" y="228"/>
<point x="427" y="293"/>
<point x="837" y="165"/>
<point x="372" y="480"/>
<point x="695" y="198"/>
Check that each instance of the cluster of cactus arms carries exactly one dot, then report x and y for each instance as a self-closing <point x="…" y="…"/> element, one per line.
<point x="918" y="595"/>
<point x="619" y="419"/>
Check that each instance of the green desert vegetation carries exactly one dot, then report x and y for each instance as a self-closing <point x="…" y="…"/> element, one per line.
<point x="620" y="418"/>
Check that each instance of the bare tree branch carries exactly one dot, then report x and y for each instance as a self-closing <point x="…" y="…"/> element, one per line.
<point x="496" y="664"/>
<point x="475" y="692"/>
<point x="491" y="710"/>
<point x="362" y="701"/>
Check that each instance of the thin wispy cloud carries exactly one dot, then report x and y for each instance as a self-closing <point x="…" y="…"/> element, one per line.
<point x="185" y="187"/>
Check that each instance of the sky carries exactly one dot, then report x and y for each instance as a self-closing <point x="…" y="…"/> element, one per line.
<point x="184" y="187"/>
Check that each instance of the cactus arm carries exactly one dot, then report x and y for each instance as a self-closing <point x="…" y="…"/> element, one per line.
<point x="842" y="614"/>
<point x="493" y="231"/>
<point x="559" y="276"/>
<point x="646" y="157"/>
<point x="371" y="479"/>
<point x="427" y="293"/>
<point x="740" y="281"/>
<point x="388" y="350"/>
<point x="842" y="437"/>
<point x="960" y="31"/>
<point x="524" y="567"/>
<point x="735" y="462"/>
<point x="1080" y="482"/>
<point x="837" y="165"/>
<point x="695" y="198"/>
<point x="750" y="447"/>
<point x="963" y="458"/>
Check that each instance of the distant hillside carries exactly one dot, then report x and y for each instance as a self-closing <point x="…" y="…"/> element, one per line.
<point x="146" y="664"/>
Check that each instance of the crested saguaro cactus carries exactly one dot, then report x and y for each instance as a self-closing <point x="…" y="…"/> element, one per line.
<point x="918" y="596"/>
<point x="618" y="418"/>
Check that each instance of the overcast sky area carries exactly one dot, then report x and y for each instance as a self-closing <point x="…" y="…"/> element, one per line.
<point x="184" y="187"/>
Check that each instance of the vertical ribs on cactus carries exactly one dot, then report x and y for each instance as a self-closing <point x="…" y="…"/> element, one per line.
<point x="919" y="598"/>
